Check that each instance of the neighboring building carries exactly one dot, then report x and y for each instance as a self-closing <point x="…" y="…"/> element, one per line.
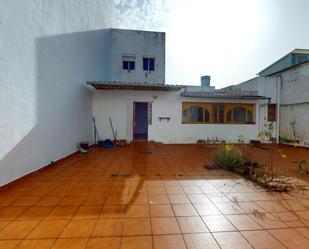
<point x="286" y="83"/>
<point x="295" y="57"/>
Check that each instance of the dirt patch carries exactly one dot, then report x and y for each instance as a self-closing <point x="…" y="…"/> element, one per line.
<point x="283" y="157"/>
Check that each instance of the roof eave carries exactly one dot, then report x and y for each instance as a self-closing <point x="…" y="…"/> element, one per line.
<point x="247" y="97"/>
<point x="133" y="86"/>
<point x="288" y="68"/>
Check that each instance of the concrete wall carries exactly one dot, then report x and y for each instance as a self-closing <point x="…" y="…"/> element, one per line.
<point x="46" y="56"/>
<point x="295" y="85"/>
<point x="300" y="115"/>
<point x="141" y="44"/>
<point x="294" y="100"/>
<point x="295" y="103"/>
<point x="119" y="106"/>
<point x="264" y="86"/>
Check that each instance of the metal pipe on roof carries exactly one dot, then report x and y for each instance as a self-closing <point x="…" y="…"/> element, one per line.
<point x="279" y="83"/>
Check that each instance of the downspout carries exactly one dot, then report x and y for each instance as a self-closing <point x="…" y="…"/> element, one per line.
<point x="279" y="82"/>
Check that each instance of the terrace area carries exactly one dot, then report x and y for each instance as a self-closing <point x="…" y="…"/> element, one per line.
<point x="150" y="195"/>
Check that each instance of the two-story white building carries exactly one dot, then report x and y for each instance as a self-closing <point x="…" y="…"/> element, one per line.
<point x="142" y="107"/>
<point x="137" y="56"/>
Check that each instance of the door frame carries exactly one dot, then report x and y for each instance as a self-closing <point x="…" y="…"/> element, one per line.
<point x="133" y="123"/>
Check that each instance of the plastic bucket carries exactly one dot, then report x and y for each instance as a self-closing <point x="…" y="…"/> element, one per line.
<point x="84" y="147"/>
<point x="108" y="143"/>
<point x="100" y="143"/>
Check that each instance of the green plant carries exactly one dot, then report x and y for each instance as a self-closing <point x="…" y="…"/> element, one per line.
<point x="241" y="139"/>
<point x="284" y="139"/>
<point x="269" y="128"/>
<point x="293" y="127"/>
<point x="228" y="158"/>
<point x="240" y="159"/>
<point x="303" y="167"/>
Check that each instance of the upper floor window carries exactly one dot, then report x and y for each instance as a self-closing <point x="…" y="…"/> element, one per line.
<point x="128" y="62"/>
<point x="148" y="64"/>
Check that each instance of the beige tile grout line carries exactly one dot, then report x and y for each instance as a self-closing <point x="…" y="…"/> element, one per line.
<point x="101" y="210"/>
<point x="149" y="206"/>
<point x="240" y="231"/>
<point x="29" y="207"/>
<point x="68" y="220"/>
<point x="271" y="213"/>
<point x="174" y="210"/>
<point x="202" y="218"/>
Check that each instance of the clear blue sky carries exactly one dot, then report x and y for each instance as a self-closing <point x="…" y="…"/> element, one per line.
<point x="231" y="40"/>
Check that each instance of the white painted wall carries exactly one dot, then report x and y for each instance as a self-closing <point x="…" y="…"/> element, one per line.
<point x="295" y="85"/>
<point x="264" y="86"/>
<point x="119" y="106"/>
<point x="47" y="53"/>
<point x="295" y="103"/>
<point x="141" y="44"/>
<point x="294" y="99"/>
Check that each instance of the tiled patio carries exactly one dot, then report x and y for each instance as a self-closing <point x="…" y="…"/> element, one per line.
<point x="148" y="196"/>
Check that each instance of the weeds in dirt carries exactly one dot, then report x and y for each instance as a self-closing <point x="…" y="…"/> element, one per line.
<point x="241" y="160"/>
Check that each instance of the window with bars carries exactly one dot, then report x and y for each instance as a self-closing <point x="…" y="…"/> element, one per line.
<point x="217" y="113"/>
<point x="149" y="106"/>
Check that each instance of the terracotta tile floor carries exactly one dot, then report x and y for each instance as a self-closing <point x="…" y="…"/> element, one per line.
<point x="124" y="198"/>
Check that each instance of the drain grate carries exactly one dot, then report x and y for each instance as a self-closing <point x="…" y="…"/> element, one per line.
<point x="121" y="174"/>
<point x="125" y="174"/>
<point x="145" y="152"/>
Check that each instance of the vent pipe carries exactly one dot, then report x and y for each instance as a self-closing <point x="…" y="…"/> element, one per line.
<point x="205" y="81"/>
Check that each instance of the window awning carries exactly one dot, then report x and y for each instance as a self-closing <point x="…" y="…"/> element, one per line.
<point x="111" y="85"/>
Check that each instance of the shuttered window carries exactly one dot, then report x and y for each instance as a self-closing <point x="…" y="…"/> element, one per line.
<point x="272" y="113"/>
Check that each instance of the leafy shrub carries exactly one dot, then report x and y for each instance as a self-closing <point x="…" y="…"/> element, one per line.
<point x="228" y="158"/>
<point x="284" y="139"/>
<point x="269" y="128"/>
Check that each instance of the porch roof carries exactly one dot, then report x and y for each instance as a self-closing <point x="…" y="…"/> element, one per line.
<point x="231" y="95"/>
<point x="114" y="85"/>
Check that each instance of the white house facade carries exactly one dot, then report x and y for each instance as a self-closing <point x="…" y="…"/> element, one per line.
<point x="142" y="107"/>
<point x="166" y="119"/>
